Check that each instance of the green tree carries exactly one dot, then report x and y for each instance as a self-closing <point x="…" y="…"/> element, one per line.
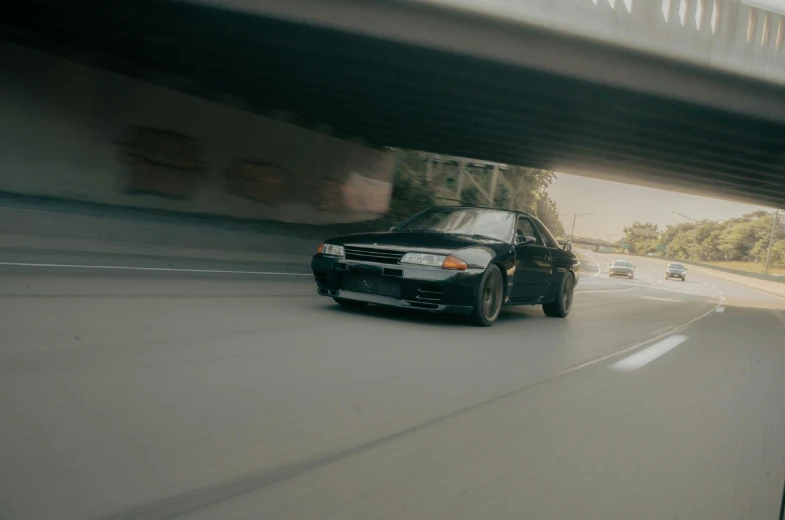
<point x="641" y="244"/>
<point x="778" y="254"/>
<point x="548" y="212"/>
<point x="745" y="238"/>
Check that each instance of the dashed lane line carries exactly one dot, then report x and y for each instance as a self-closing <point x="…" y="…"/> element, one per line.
<point x="132" y="268"/>
<point x="649" y="354"/>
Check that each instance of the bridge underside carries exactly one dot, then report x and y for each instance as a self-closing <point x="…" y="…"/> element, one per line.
<point x="393" y="94"/>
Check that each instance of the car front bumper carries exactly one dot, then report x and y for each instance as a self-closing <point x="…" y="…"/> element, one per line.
<point x="423" y="288"/>
<point x="675" y="275"/>
<point x="620" y="273"/>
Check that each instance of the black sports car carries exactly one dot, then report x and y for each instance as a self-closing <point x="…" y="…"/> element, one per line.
<point x="453" y="259"/>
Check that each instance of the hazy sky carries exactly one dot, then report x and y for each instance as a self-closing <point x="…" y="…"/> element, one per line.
<point x="616" y="205"/>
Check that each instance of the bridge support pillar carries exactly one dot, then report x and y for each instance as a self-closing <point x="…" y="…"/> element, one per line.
<point x="690" y="18"/>
<point x="728" y="19"/>
<point x="494" y="180"/>
<point x="459" y="189"/>
<point x="648" y="12"/>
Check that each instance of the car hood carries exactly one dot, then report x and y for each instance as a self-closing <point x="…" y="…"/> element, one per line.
<point x="441" y="242"/>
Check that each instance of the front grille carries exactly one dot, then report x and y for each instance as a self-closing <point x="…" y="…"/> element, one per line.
<point x="373" y="284"/>
<point x="370" y="254"/>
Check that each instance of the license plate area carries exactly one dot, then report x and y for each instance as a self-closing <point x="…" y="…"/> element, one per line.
<point x="371" y="282"/>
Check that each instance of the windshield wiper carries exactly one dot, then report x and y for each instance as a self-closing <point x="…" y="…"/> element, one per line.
<point x="425" y="231"/>
<point x="474" y="235"/>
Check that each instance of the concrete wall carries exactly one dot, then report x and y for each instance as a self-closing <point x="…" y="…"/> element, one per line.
<point x="73" y="131"/>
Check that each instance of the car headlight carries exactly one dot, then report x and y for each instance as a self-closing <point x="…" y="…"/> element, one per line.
<point x="423" y="259"/>
<point x="445" y="262"/>
<point x="331" y="249"/>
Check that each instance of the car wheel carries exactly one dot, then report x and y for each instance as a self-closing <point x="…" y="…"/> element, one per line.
<point x="561" y="306"/>
<point x="632" y="277"/>
<point x="354" y="304"/>
<point x="488" y="305"/>
<point x="683" y="278"/>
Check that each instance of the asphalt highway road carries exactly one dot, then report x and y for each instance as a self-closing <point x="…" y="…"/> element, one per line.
<point x="144" y="388"/>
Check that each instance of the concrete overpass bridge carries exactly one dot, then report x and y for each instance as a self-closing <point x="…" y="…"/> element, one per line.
<point x="681" y="94"/>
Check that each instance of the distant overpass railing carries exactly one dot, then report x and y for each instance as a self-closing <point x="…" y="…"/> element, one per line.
<point x="736" y="36"/>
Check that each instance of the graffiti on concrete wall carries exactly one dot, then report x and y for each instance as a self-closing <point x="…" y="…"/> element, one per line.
<point x="260" y="181"/>
<point x="170" y="164"/>
<point x="274" y="185"/>
<point x="369" y="195"/>
<point x="162" y="162"/>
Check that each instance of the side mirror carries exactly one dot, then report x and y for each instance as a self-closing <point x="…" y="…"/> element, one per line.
<point x="392" y="228"/>
<point x="568" y="246"/>
<point x="524" y="240"/>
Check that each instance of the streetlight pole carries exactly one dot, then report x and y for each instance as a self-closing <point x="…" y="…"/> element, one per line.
<point x="771" y="241"/>
<point x="572" y="232"/>
<point x="695" y="233"/>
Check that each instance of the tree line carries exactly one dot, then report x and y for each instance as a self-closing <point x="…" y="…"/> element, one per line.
<point x="741" y="239"/>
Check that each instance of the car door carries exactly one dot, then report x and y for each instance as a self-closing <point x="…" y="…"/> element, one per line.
<point x="533" y="263"/>
<point x="561" y="260"/>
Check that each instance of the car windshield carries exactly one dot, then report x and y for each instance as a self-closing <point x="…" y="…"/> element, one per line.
<point x="622" y="263"/>
<point x="675" y="266"/>
<point x="488" y="223"/>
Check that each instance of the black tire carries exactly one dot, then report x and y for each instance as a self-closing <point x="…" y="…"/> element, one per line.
<point x="352" y="304"/>
<point x="562" y="305"/>
<point x="490" y="297"/>
<point x="632" y="277"/>
<point x="683" y="278"/>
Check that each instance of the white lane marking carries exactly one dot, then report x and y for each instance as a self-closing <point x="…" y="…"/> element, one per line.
<point x="659" y="299"/>
<point x="648" y="354"/>
<point x="713" y="287"/>
<point x="722" y="299"/>
<point x="661" y="330"/>
<point x="635" y="346"/>
<point x="671" y="288"/>
<point x="606" y="257"/>
<point x="753" y="289"/>
<point x="764" y="292"/>
<point x="129" y="268"/>
<point x="599" y="268"/>
<point x="720" y="310"/>
<point x="606" y="290"/>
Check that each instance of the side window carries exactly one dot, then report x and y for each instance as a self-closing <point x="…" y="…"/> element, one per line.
<point x="526" y="227"/>
<point x="546" y="234"/>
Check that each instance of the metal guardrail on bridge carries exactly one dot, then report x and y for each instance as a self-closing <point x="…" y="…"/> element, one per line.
<point x="732" y="35"/>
